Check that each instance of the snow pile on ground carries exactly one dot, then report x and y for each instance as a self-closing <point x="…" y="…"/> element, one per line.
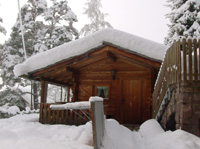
<point x="13" y="110"/>
<point x="149" y="136"/>
<point x="25" y="132"/>
<point x="71" y="49"/>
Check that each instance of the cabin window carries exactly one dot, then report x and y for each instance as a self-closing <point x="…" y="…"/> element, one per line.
<point x="102" y="91"/>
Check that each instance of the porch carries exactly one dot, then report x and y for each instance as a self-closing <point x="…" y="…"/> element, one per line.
<point x="69" y="117"/>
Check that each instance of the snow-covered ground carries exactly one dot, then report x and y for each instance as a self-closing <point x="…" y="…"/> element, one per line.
<point x="25" y="132"/>
<point x="149" y="136"/>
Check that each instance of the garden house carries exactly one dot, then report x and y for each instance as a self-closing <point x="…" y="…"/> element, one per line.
<point x="118" y="66"/>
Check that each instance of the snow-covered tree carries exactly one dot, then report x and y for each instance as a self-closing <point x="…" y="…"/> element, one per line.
<point x="43" y="28"/>
<point x="12" y="97"/>
<point x="60" y="20"/>
<point x="34" y="30"/>
<point x="185" y="20"/>
<point x="97" y="18"/>
<point x="2" y="29"/>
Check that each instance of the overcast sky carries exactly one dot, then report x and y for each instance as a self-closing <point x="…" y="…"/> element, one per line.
<point x="144" y="18"/>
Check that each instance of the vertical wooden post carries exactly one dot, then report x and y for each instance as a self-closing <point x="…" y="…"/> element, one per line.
<point x="68" y="93"/>
<point x="44" y="87"/>
<point x="98" y="124"/>
<point x="35" y="97"/>
<point x="76" y="88"/>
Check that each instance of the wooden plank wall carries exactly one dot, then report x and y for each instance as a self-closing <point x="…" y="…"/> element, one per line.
<point x="181" y="64"/>
<point x="98" y="74"/>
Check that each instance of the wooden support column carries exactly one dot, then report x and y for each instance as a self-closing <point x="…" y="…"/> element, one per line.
<point x="75" y="75"/>
<point x="76" y="87"/>
<point x="44" y="87"/>
<point x="68" y="93"/>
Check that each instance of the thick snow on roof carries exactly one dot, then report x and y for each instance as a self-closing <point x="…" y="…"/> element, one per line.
<point x="74" y="48"/>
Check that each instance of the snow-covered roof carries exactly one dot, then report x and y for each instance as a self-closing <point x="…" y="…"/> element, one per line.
<point x="71" y="49"/>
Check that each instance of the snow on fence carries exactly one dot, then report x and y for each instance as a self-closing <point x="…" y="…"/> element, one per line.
<point x="181" y="64"/>
<point x="63" y="116"/>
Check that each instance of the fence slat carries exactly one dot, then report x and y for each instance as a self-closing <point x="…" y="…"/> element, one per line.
<point x="184" y="60"/>
<point x="53" y="117"/>
<point x="195" y="60"/>
<point x="45" y="113"/>
<point x="178" y="62"/>
<point x="49" y="114"/>
<point x="41" y="113"/>
<point x="199" y="56"/>
<point x="190" y="59"/>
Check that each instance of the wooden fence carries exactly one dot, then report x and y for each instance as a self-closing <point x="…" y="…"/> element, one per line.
<point x="181" y="64"/>
<point x="69" y="117"/>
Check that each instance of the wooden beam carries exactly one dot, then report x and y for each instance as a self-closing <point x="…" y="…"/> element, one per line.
<point x="55" y="82"/>
<point x="74" y="71"/>
<point x="111" y="56"/>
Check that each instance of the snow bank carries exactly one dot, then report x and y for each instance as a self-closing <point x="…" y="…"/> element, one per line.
<point x="119" y="137"/>
<point x="150" y="129"/>
<point x="25" y="132"/>
<point x="149" y="136"/>
<point x="74" y="48"/>
<point x="13" y="110"/>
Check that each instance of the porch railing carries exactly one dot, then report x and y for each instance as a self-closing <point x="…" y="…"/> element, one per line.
<point x="69" y="117"/>
<point x="181" y="64"/>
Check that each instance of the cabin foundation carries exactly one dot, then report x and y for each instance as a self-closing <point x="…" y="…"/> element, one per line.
<point x="185" y="106"/>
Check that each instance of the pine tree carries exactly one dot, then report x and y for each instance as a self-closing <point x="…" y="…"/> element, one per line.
<point x="2" y="29"/>
<point x="57" y="34"/>
<point x="13" y="53"/>
<point x="42" y="31"/>
<point x="97" y="18"/>
<point x="185" y="20"/>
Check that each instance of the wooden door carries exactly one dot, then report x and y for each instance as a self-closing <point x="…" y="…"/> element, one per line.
<point x="130" y="111"/>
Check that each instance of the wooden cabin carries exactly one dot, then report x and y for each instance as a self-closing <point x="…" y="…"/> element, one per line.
<point x="120" y="67"/>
